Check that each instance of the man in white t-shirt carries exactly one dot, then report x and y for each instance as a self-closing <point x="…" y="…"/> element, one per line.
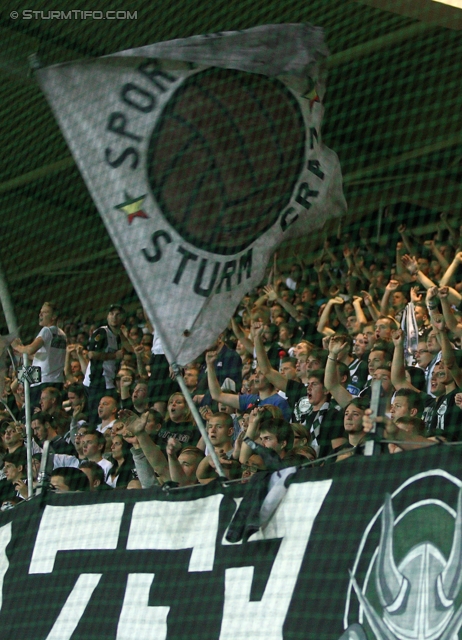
<point x="107" y="413"/>
<point x="93" y="444"/>
<point x="48" y="350"/>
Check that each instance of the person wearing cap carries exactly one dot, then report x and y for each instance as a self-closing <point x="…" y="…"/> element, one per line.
<point x="105" y="347"/>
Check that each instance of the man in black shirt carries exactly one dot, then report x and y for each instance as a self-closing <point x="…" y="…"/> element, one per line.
<point x="323" y="419"/>
<point x="105" y="348"/>
<point x="293" y="388"/>
<point x="42" y="424"/>
<point x="227" y="365"/>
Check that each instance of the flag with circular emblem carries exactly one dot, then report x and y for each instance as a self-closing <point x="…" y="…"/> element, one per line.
<point x="201" y="155"/>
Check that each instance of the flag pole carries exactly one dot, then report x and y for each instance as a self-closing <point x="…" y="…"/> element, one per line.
<point x="10" y="317"/>
<point x="26" y="383"/>
<point x="185" y="391"/>
<point x="198" y="418"/>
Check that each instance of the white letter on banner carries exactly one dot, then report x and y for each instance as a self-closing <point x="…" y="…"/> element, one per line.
<point x="137" y="619"/>
<point x="92" y="526"/>
<point x="292" y="521"/>
<point x="74" y="607"/>
<point x="5" y="537"/>
<point x="178" y="525"/>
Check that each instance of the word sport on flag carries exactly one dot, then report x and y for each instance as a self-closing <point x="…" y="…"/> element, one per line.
<point x="202" y="155"/>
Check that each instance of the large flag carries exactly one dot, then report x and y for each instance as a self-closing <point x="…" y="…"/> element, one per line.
<point x="201" y="155"/>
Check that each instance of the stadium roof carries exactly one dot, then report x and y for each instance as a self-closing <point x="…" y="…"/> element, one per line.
<point x="393" y="115"/>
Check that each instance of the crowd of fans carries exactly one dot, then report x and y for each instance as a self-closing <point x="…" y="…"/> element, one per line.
<point x="289" y="381"/>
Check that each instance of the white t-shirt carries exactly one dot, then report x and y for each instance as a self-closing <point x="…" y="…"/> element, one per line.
<point x="112" y="482"/>
<point x="157" y="348"/>
<point x="106" y="466"/>
<point x="108" y="426"/>
<point x="51" y="355"/>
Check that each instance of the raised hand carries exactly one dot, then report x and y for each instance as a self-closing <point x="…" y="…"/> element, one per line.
<point x="432" y="293"/>
<point x="173" y="447"/>
<point x="126" y="416"/>
<point x="258" y="329"/>
<point x="210" y="357"/>
<point x="138" y="424"/>
<point x="206" y="412"/>
<point x="415" y="296"/>
<point x="255" y="416"/>
<point x="392" y="285"/>
<point x="125" y="381"/>
<point x="336" y="345"/>
<point x="398" y="337"/>
<point x="367" y="298"/>
<point x="369" y="420"/>
<point x="21" y="488"/>
<point x="256" y="325"/>
<point x="270" y="292"/>
<point x="410" y="263"/>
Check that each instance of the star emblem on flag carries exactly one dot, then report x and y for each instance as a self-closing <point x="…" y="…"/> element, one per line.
<point x="205" y="235"/>
<point x="313" y="97"/>
<point x="133" y="208"/>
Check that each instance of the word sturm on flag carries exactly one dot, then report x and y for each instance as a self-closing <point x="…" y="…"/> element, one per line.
<point x="201" y="155"/>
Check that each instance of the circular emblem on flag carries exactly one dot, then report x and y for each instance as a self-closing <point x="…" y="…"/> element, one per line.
<point x="225" y="156"/>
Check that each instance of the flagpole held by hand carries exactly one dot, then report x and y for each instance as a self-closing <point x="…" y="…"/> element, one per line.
<point x="197" y="417"/>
